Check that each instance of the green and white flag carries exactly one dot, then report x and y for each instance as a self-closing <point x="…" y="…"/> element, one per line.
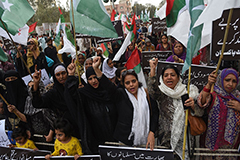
<point x="142" y="16"/>
<point x="3" y="56"/>
<point x="195" y="33"/>
<point x="91" y="18"/>
<point x="58" y="33"/>
<point x="146" y="18"/>
<point x="15" y="14"/>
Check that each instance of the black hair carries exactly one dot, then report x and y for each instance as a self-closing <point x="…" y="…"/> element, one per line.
<point x="162" y="36"/>
<point x="108" y="60"/>
<point x="64" y="126"/>
<point x="133" y="73"/>
<point x="171" y="67"/>
<point x="19" y="132"/>
<point x="118" y="71"/>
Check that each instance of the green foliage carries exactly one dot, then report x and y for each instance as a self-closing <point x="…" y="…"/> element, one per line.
<point x="47" y="12"/>
<point x="138" y="8"/>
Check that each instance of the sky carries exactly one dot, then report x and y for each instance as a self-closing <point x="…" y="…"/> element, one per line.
<point x="153" y="2"/>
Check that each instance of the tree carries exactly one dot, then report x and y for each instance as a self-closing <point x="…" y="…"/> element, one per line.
<point x="138" y="8"/>
<point x="47" y="12"/>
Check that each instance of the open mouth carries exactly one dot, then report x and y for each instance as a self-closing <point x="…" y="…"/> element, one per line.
<point x="169" y="82"/>
<point x="132" y="89"/>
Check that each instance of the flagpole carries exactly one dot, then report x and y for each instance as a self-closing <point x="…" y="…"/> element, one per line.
<point x="224" y="43"/>
<point x="186" y="115"/>
<point x="14" y="44"/>
<point x="14" y="111"/>
<point x="75" y="42"/>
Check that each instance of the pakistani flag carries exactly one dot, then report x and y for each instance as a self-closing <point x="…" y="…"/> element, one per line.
<point x="142" y="16"/>
<point x="15" y="14"/>
<point x="3" y="56"/>
<point x="127" y="41"/>
<point x="91" y="18"/>
<point x="146" y="18"/>
<point x="58" y="33"/>
<point x="195" y="33"/>
<point x="68" y="45"/>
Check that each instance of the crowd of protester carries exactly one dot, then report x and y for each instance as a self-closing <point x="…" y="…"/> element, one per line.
<point x="98" y="100"/>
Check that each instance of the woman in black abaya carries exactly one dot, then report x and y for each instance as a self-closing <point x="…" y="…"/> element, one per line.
<point x="94" y="105"/>
<point x="16" y="95"/>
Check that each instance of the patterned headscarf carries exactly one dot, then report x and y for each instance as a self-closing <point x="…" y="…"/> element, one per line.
<point x="223" y="121"/>
<point x="30" y="53"/>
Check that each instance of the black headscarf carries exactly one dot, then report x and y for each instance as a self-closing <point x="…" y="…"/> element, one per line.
<point x="16" y="91"/>
<point x="59" y="88"/>
<point x="98" y="94"/>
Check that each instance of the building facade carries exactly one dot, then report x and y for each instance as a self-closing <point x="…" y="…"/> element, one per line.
<point x="123" y="7"/>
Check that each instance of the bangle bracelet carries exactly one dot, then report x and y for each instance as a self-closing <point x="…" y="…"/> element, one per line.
<point x="206" y="89"/>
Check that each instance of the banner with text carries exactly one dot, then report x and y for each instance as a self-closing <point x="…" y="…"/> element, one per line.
<point x="232" y="50"/>
<point x="131" y="153"/>
<point x="84" y="157"/>
<point x="147" y="55"/>
<point x="159" y="25"/>
<point x="7" y="153"/>
<point x="199" y="74"/>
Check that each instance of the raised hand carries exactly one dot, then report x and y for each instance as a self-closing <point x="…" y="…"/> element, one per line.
<point x="36" y="78"/>
<point x="153" y="64"/>
<point x="96" y="62"/>
<point x="37" y="75"/>
<point x="71" y="68"/>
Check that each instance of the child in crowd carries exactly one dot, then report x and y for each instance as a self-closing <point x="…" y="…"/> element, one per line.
<point x="21" y="137"/>
<point x="65" y="144"/>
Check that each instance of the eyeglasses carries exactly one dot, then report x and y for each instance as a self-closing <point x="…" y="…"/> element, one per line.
<point x="30" y="43"/>
<point x="127" y="71"/>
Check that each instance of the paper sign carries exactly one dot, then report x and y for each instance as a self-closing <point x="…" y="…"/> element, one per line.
<point x="44" y="78"/>
<point x="4" y="141"/>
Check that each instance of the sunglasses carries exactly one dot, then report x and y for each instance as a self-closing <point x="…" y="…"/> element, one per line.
<point x="30" y="43"/>
<point x="127" y="71"/>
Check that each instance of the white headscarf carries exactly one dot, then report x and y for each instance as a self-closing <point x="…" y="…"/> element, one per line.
<point x="108" y="71"/>
<point x="177" y="131"/>
<point x="141" y="117"/>
<point x="84" y="74"/>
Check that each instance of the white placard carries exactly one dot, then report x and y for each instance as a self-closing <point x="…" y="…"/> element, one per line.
<point x="4" y="141"/>
<point x="44" y="78"/>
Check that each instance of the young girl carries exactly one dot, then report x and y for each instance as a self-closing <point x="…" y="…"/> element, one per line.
<point x="65" y="144"/>
<point x="21" y="137"/>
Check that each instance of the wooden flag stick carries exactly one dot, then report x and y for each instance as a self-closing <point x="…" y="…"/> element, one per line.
<point x="14" y="111"/>
<point x="186" y="115"/>
<point x="14" y="44"/>
<point x="75" y="42"/>
<point x="224" y="42"/>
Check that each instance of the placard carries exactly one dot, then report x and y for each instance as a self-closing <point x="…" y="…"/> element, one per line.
<point x="232" y="50"/>
<point x="118" y="27"/>
<point x="7" y="153"/>
<point x="147" y="55"/>
<point x="84" y="157"/>
<point x="44" y="78"/>
<point x="199" y="74"/>
<point x="4" y="141"/>
<point x="130" y="153"/>
<point x="159" y="25"/>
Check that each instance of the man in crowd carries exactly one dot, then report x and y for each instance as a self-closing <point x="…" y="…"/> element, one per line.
<point x="51" y="51"/>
